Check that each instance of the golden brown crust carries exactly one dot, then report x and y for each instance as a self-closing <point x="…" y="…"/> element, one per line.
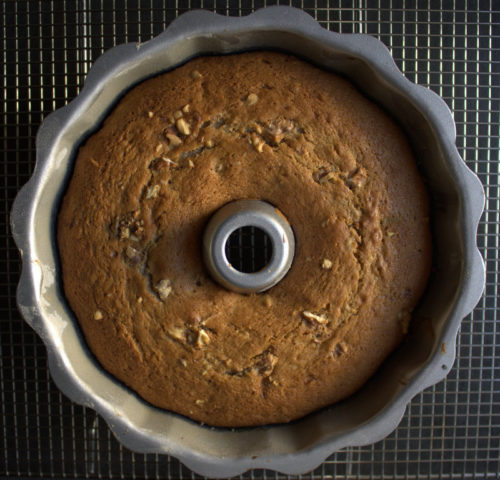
<point x="181" y="145"/>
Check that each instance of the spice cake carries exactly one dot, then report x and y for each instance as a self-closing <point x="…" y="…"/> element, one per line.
<point x="175" y="149"/>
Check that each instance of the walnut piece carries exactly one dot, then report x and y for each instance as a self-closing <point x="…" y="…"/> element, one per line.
<point x="130" y="226"/>
<point x="167" y="160"/>
<point x="258" y="143"/>
<point x="133" y="255"/>
<point x="252" y="99"/>
<point x="325" y="178"/>
<point x="359" y="178"/>
<point x="265" y="363"/>
<point x="326" y="264"/>
<point x="123" y="232"/>
<point x="183" y="126"/>
<point x="173" y="140"/>
<point x="176" y="332"/>
<point x="203" y="338"/>
<point x="98" y="315"/>
<point x="318" y="318"/>
<point x="163" y="288"/>
<point x="153" y="191"/>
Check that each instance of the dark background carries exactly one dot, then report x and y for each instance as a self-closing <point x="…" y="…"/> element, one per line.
<point x="451" y="430"/>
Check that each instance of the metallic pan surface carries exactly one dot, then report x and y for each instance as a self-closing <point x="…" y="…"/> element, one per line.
<point x="369" y="415"/>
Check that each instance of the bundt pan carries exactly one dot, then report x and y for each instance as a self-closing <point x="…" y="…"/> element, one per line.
<point x="427" y="354"/>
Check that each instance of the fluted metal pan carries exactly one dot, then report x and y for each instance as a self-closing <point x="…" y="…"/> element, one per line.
<point x="369" y="415"/>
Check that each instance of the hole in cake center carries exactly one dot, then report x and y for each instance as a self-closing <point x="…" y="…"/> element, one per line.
<point x="249" y="249"/>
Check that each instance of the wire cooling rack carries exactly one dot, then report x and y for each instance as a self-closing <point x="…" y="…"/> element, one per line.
<point x="451" y="430"/>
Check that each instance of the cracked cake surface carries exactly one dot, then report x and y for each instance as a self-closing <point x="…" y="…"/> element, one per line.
<point x="179" y="146"/>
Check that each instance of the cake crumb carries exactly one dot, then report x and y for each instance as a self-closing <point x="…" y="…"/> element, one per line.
<point x="252" y="99"/>
<point x="163" y="288"/>
<point x="391" y="234"/>
<point x="195" y="75"/>
<point x="190" y="163"/>
<point x="326" y="264"/>
<point x="151" y="114"/>
<point x="159" y="148"/>
<point x="98" y="315"/>
<point x="178" y="115"/>
<point x="186" y="108"/>
<point x="183" y="362"/>
<point x="94" y="162"/>
<point x="199" y="402"/>
<point x="183" y="126"/>
<point x="321" y="319"/>
<point x="209" y="143"/>
<point x="139" y="299"/>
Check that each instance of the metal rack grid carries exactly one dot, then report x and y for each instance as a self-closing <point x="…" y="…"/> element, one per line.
<point x="249" y="249"/>
<point x="451" y="430"/>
